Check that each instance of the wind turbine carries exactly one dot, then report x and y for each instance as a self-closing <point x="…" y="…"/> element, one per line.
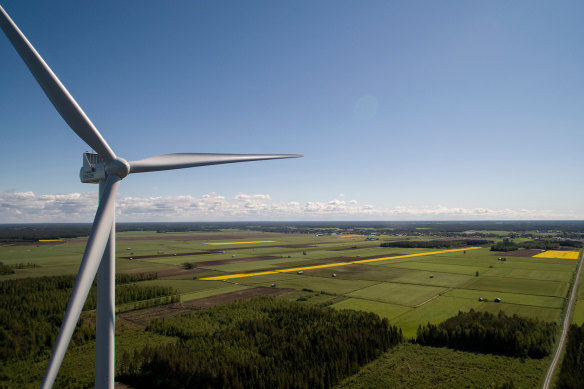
<point x="107" y="169"/>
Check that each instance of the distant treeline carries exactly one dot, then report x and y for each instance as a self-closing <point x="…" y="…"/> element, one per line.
<point x="566" y="229"/>
<point x="540" y="244"/>
<point x="262" y="343"/>
<point x="31" y="311"/>
<point x="572" y="371"/>
<point x="29" y="233"/>
<point x="484" y="332"/>
<point x="436" y="244"/>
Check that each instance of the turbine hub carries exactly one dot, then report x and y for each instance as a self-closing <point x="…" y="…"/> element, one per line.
<point x="119" y="167"/>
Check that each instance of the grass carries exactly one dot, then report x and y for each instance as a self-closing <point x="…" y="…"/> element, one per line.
<point x="539" y="313"/>
<point x="578" y="313"/>
<point x="434" y="311"/>
<point x="511" y="298"/>
<point x="400" y="294"/>
<point x="329" y="285"/>
<point x="544" y="275"/>
<point x="438" y="267"/>
<point x="390" y="311"/>
<point x="206" y="293"/>
<point x="519" y="285"/>
<point x="414" y="366"/>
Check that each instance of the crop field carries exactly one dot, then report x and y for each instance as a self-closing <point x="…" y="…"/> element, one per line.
<point x="409" y="286"/>
<point x="558" y="254"/>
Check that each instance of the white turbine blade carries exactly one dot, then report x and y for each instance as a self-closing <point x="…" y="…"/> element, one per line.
<point x="186" y="160"/>
<point x="55" y="91"/>
<point x="94" y="250"/>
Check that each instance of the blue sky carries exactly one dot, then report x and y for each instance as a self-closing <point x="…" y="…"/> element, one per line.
<point x="404" y="110"/>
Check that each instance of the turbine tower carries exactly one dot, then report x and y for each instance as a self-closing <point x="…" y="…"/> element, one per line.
<point x="107" y="169"/>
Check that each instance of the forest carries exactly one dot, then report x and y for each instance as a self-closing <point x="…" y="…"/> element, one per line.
<point x="31" y="310"/>
<point x="262" y="343"/>
<point x="484" y="332"/>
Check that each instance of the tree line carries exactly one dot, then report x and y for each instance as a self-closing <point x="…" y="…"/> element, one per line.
<point x="32" y="309"/>
<point x="484" y="332"/>
<point x="262" y="343"/>
<point x="572" y="371"/>
<point x="436" y="243"/>
<point x="539" y="244"/>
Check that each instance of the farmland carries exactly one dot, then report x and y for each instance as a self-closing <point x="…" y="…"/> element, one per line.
<point x="407" y="286"/>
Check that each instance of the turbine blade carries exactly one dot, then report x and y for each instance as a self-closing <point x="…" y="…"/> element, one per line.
<point x="96" y="244"/>
<point x="185" y="160"/>
<point x="55" y="91"/>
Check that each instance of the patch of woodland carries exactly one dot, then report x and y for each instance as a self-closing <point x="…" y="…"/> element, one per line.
<point x="9" y="269"/>
<point x="32" y="309"/>
<point x="436" y="243"/>
<point x="572" y="371"/>
<point x="5" y="269"/>
<point x="261" y="343"/>
<point x="539" y="244"/>
<point x="484" y="332"/>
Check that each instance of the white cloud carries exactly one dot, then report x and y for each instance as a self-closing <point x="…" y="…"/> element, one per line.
<point x="80" y="207"/>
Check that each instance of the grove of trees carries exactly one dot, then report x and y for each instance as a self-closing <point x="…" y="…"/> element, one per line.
<point x="262" y="343"/>
<point x="484" y="332"/>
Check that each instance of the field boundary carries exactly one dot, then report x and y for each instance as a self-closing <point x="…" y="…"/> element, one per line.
<point x="328" y="265"/>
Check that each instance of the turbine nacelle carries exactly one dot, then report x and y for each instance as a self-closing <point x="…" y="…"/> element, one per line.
<point x="95" y="169"/>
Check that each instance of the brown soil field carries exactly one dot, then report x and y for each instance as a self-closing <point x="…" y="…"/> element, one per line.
<point x="141" y="318"/>
<point x="346" y="259"/>
<point x="215" y="251"/>
<point x="354" y="248"/>
<point x="179" y="271"/>
<point x="382" y="256"/>
<point x="170" y="255"/>
<point x="519" y="253"/>
<point x="236" y="260"/>
<point x="339" y="259"/>
<point x="295" y="246"/>
<point x="33" y="243"/>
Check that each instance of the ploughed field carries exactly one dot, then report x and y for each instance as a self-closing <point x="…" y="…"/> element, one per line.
<point x="407" y="286"/>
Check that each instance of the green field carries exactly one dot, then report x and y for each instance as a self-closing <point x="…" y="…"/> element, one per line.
<point x="408" y="291"/>
<point x="426" y="288"/>
<point x="414" y="366"/>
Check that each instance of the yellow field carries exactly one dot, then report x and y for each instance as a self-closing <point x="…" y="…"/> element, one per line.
<point x="257" y="241"/>
<point x="350" y="236"/>
<point x="242" y="275"/>
<point x="558" y="254"/>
